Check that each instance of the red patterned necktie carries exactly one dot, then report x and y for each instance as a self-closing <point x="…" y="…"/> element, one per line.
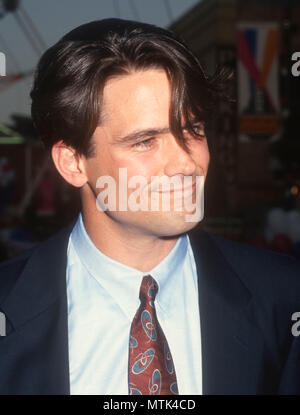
<point x="151" y="370"/>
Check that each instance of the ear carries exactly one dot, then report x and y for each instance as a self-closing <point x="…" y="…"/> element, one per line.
<point x="69" y="164"/>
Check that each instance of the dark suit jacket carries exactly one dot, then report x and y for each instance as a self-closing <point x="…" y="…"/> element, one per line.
<point x="247" y="296"/>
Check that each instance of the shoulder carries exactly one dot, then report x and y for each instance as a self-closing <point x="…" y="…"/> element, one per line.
<point x="43" y="253"/>
<point x="262" y="271"/>
<point x="10" y="270"/>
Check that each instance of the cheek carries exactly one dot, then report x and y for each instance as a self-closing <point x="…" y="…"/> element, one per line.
<point x="139" y="166"/>
<point x="111" y="164"/>
<point x="201" y="154"/>
<point x="206" y="156"/>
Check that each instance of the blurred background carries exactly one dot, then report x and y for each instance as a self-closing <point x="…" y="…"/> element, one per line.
<point x="253" y="186"/>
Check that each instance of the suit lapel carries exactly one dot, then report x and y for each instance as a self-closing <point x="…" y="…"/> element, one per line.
<point x="37" y="312"/>
<point x="232" y="347"/>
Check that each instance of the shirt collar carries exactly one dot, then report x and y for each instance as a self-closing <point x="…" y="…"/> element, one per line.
<point x="123" y="282"/>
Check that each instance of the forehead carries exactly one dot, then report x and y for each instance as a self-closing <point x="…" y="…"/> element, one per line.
<point x="140" y="96"/>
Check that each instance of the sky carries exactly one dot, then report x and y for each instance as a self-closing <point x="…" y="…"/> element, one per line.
<point x="54" y="18"/>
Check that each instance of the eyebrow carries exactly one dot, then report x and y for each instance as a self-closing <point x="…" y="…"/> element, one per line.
<point x="150" y="132"/>
<point x="136" y="135"/>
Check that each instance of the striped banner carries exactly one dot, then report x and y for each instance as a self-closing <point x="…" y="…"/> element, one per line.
<point x="258" y="80"/>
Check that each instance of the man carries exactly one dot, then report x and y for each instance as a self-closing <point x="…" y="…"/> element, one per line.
<point x="130" y="299"/>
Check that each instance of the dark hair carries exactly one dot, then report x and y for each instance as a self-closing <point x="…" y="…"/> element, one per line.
<point x="70" y="77"/>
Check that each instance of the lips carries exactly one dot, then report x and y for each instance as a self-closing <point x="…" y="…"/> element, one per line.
<point x="180" y="189"/>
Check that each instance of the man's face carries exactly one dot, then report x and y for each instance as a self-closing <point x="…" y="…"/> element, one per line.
<point x="135" y="135"/>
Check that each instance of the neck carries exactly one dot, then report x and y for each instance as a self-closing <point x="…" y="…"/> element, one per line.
<point x="126" y="244"/>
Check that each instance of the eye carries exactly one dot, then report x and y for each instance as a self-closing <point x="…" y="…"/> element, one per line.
<point x="197" y="133"/>
<point x="144" y="144"/>
<point x="199" y="130"/>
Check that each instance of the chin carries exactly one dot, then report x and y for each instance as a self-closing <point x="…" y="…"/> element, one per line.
<point x="173" y="225"/>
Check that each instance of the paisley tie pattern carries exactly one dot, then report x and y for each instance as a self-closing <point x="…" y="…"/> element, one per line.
<point x="150" y="370"/>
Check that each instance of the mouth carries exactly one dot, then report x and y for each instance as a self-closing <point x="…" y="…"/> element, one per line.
<point x="180" y="190"/>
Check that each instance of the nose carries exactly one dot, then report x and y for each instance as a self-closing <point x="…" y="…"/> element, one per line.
<point x="178" y="159"/>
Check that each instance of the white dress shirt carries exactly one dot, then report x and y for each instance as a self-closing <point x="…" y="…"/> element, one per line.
<point x="103" y="297"/>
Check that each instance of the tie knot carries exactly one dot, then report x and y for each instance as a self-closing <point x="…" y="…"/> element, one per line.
<point x="148" y="289"/>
